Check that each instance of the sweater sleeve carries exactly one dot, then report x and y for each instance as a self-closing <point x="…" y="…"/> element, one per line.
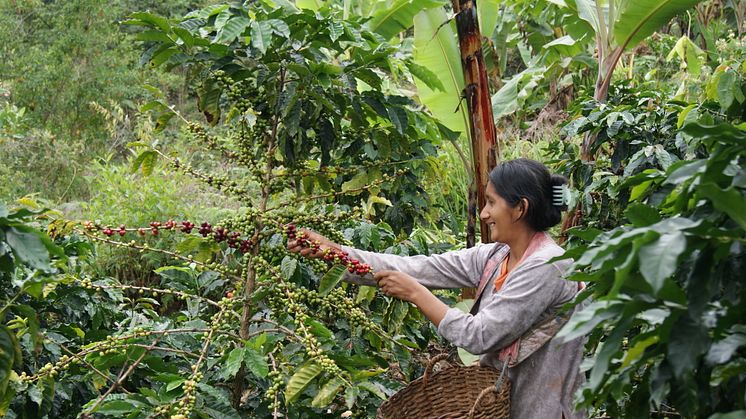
<point x="530" y="291"/>
<point x="457" y="269"/>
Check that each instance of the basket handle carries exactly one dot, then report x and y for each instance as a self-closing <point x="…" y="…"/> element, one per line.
<point x="488" y="390"/>
<point x="430" y="365"/>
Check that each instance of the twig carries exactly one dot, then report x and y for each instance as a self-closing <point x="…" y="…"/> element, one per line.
<point x="151" y="249"/>
<point x="89" y="365"/>
<point x="275" y="405"/>
<point x="331" y="194"/>
<point x="124" y="376"/>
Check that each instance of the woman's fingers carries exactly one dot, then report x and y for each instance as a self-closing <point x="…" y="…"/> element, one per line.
<point x="380" y="275"/>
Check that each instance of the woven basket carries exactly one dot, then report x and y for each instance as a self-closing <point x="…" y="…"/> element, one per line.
<point x="455" y="392"/>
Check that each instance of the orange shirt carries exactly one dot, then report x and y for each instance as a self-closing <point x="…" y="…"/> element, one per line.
<point x="503" y="274"/>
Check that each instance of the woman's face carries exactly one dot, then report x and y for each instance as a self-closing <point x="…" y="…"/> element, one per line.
<point x="500" y="216"/>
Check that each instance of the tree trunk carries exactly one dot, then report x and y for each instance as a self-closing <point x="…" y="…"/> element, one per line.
<point x="478" y="102"/>
<point x="481" y="124"/>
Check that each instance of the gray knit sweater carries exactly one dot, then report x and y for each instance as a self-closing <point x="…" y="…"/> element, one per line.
<point x="545" y="382"/>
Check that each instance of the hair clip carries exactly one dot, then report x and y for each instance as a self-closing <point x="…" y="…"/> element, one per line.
<point x="560" y="195"/>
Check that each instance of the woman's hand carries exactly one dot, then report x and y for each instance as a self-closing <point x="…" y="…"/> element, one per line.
<point x="294" y="246"/>
<point x="400" y="285"/>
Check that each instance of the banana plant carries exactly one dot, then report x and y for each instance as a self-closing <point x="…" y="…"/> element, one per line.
<point x="619" y="25"/>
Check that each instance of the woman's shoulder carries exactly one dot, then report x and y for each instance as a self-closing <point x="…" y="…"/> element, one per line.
<point x="548" y="254"/>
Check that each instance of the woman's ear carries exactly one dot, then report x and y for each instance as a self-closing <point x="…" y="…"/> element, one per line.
<point x="520" y="210"/>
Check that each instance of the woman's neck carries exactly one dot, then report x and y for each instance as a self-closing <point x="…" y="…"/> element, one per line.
<point x="519" y="245"/>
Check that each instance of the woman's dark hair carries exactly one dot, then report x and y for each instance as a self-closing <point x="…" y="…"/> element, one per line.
<point x="523" y="178"/>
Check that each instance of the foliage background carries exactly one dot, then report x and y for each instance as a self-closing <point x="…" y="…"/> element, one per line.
<point x="660" y="205"/>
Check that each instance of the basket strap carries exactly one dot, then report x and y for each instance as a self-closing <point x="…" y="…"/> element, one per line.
<point x="430" y="364"/>
<point x="496" y="389"/>
<point x="501" y="377"/>
<point x="482" y="395"/>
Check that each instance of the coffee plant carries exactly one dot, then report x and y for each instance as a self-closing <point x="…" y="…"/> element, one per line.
<point x="661" y="247"/>
<point x="299" y="130"/>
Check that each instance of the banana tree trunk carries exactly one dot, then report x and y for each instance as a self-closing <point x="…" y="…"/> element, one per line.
<point x="481" y="123"/>
<point x="479" y="104"/>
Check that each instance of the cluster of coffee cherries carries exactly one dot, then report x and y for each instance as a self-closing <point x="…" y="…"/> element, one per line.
<point x="251" y="141"/>
<point x="272" y="390"/>
<point x="200" y="134"/>
<point x="286" y="298"/>
<point x="329" y="254"/>
<point x="337" y="302"/>
<point x="219" y="234"/>
<point x="237" y="92"/>
<point x="154" y="228"/>
<point x="220" y="182"/>
<point x="189" y="399"/>
<point x="222" y="234"/>
<point x="289" y="297"/>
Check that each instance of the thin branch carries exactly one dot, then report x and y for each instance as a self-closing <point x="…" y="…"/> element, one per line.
<point x="124" y="376"/>
<point x="89" y="365"/>
<point x="151" y="249"/>
<point x="331" y="194"/>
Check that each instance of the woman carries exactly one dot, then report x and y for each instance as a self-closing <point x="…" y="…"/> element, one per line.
<point x="520" y="290"/>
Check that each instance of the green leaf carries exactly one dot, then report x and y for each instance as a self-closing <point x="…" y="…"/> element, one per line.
<point x="736" y="414"/>
<point x="175" y="383"/>
<point x="365" y="293"/>
<point x="641" y="18"/>
<point x="398" y="117"/>
<point x="730" y="201"/>
<point x="389" y="19"/>
<point x="152" y="20"/>
<point x="209" y="101"/>
<point x="327" y="392"/>
<point x="28" y="247"/>
<point x="683" y="172"/>
<point x="689" y="53"/>
<point x="146" y="160"/>
<point x="436" y="48"/>
<point x="261" y="35"/>
<point x="635" y="352"/>
<point x="185" y="36"/>
<point x="318" y="329"/>
<point x="487" y="13"/>
<point x="309" y="4"/>
<point x="163" y="56"/>
<point x="232" y="363"/>
<point x="232" y="29"/>
<point x="331" y="278"/>
<point x="255" y="362"/>
<point x="505" y="100"/>
<point x="148" y="163"/>
<point x="424" y="74"/>
<point x="373" y="388"/>
<point x="153" y="35"/>
<point x="336" y="29"/>
<point x="642" y="215"/>
<point x="395" y="313"/>
<point x="288" y="267"/>
<point x="726" y="88"/>
<point x="351" y="395"/>
<point x="10" y="356"/>
<point x="723" y="350"/>
<point x="358" y="181"/>
<point x="658" y="260"/>
<point x="588" y="318"/>
<point x="688" y="341"/>
<point x="587" y="11"/>
<point x="300" y="380"/>
<point x="280" y="28"/>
